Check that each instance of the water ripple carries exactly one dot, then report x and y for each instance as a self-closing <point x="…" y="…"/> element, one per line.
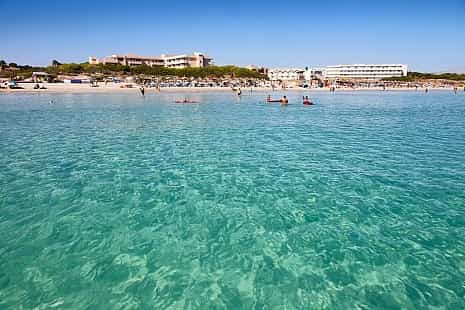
<point x="115" y="201"/>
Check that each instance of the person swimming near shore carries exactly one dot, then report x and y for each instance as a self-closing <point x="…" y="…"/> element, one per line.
<point x="284" y="100"/>
<point x="307" y="101"/>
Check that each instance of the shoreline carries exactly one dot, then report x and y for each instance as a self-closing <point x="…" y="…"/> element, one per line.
<point x="115" y="88"/>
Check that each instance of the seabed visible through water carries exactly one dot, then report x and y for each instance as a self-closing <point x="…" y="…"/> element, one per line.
<point x="124" y="202"/>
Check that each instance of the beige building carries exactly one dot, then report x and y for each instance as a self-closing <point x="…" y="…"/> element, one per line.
<point x="196" y="60"/>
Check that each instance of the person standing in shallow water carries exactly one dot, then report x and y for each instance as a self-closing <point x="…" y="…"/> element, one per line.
<point x="142" y="90"/>
<point x="307" y="101"/>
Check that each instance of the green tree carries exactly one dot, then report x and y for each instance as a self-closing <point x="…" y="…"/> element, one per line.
<point x="418" y="76"/>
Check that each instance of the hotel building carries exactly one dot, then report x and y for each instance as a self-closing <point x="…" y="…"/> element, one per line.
<point x="286" y="74"/>
<point x="196" y="60"/>
<point x="367" y="72"/>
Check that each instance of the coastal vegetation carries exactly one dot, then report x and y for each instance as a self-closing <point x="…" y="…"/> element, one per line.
<point x="418" y="76"/>
<point x="14" y="70"/>
<point x="56" y="68"/>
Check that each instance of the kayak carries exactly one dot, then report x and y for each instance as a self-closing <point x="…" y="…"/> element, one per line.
<point x="277" y="100"/>
<point x="306" y="102"/>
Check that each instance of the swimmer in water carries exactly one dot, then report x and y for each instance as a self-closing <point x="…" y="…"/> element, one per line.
<point x="307" y="100"/>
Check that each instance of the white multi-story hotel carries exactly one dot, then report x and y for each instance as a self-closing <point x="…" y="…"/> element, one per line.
<point x="196" y="60"/>
<point x="361" y="71"/>
<point x="286" y="74"/>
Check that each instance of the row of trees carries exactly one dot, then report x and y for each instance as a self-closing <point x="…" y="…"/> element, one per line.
<point x="212" y="71"/>
<point x="4" y="65"/>
<point x="116" y="69"/>
<point x="417" y="76"/>
<point x="12" y="69"/>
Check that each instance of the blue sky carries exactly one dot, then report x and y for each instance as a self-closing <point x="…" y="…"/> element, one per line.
<point x="426" y="35"/>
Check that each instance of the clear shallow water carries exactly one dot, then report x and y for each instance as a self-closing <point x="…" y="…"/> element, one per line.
<point x="115" y="201"/>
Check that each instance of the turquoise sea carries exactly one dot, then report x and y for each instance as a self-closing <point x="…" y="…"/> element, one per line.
<point x="115" y="201"/>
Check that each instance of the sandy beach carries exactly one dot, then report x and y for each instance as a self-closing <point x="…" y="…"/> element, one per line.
<point x="116" y="88"/>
